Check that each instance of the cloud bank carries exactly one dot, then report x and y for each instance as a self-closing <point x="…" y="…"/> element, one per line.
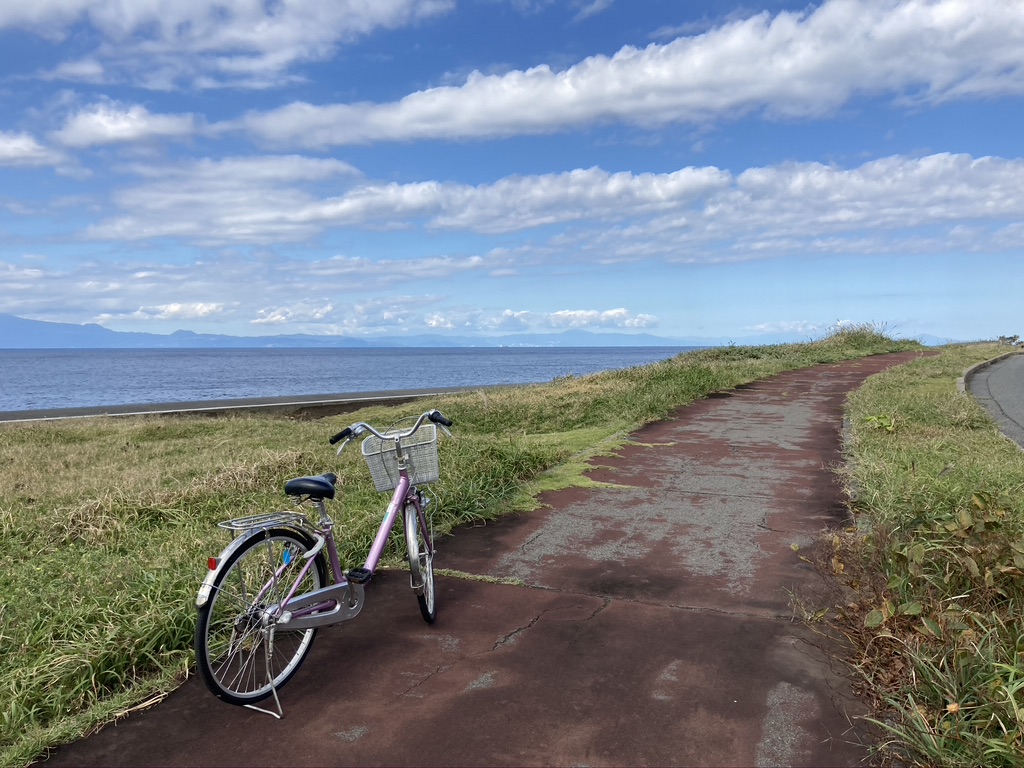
<point x="264" y="200"/>
<point x="791" y="65"/>
<point x="166" y="44"/>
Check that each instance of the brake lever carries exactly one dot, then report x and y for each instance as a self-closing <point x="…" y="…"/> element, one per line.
<point x="352" y="436"/>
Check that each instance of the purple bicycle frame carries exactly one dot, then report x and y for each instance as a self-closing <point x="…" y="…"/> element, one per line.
<point x="399" y="499"/>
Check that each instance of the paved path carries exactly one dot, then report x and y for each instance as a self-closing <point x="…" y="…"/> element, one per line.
<point x="999" y="387"/>
<point x="654" y="625"/>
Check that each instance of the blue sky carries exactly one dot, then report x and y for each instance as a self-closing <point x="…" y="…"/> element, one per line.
<point x="483" y="167"/>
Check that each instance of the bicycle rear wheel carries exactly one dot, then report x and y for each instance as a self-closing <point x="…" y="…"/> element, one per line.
<point x="232" y="640"/>
<point x="421" y="563"/>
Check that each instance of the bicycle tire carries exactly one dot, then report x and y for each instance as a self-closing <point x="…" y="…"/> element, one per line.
<point x="421" y="564"/>
<point x="230" y="641"/>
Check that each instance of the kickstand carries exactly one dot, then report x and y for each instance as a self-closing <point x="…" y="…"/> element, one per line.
<point x="268" y="636"/>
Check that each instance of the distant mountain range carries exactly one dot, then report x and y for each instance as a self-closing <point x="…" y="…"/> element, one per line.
<point x="19" y="333"/>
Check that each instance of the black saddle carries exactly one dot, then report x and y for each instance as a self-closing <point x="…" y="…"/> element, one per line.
<point x="315" y="487"/>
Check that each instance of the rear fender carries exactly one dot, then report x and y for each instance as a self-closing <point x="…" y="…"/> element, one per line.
<point x="206" y="588"/>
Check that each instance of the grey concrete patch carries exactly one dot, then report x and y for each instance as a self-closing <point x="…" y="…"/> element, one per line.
<point x="352" y="734"/>
<point x="739" y="423"/>
<point x="486" y="680"/>
<point x="784" y="739"/>
<point x="615" y="525"/>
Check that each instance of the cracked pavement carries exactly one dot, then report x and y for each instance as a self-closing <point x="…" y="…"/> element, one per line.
<point x="655" y="622"/>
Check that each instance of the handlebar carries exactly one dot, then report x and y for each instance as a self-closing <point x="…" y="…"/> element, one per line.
<point x="439" y="418"/>
<point x="346" y="432"/>
<point x="359" y="428"/>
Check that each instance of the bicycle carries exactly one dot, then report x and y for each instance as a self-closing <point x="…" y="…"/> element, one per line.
<point x="267" y="593"/>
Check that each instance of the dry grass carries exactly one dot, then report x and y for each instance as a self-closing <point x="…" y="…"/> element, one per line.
<point x="938" y="566"/>
<point x="88" y="507"/>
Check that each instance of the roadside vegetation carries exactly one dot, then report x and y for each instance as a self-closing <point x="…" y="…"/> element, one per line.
<point x="937" y="566"/>
<point x="106" y="524"/>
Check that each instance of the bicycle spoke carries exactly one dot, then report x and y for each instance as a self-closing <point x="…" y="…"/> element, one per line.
<point x="232" y="651"/>
<point x="421" y="570"/>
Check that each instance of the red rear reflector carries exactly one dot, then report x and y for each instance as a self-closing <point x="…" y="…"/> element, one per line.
<point x="212" y="563"/>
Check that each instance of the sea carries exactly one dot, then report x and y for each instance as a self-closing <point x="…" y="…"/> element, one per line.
<point x="38" y="379"/>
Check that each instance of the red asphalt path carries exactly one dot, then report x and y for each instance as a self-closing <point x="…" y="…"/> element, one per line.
<point x="652" y="622"/>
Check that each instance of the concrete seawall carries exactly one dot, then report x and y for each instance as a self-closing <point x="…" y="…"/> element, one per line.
<point x="300" y="407"/>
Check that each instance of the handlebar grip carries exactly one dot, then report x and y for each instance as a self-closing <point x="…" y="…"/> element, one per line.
<point x="439" y="418"/>
<point x="346" y="432"/>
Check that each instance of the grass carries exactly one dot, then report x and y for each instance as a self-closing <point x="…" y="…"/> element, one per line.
<point x="106" y="524"/>
<point x="937" y="564"/>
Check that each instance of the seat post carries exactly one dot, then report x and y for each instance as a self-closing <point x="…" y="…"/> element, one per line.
<point x="325" y="520"/>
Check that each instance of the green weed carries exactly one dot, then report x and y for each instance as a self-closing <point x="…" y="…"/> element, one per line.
<point x="106" y="524"/>
<point x="938" y="562"/>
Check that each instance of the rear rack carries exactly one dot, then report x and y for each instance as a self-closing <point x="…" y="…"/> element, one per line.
<point x="240" y="525"/>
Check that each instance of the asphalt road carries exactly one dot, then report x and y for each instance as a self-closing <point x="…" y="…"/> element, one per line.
<point x="999" y="387"/>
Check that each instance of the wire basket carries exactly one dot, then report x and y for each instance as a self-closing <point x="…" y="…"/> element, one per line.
<point x="420" y="450"/>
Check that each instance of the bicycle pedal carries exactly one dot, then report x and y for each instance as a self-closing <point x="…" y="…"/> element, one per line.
<point x="359" y="575"/>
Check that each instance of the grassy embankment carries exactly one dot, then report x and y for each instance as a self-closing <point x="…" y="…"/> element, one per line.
<point x="106" y="524"/>
<point x="938" y="561"/>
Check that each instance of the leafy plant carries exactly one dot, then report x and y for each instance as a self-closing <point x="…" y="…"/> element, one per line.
<point x="884" y="422"/>
<point x="938" y="562"/>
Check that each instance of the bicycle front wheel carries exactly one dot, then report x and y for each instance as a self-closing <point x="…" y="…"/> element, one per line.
<point x="241" y="652"/>
<point x="421" y="563"/>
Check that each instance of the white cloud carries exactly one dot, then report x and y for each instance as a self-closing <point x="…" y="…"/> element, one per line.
<point x="693" y="214"/>
<point x="438" y="322"/>
<point x="258" y="291"/>
<point x="891" y="205"/>
<point x="112" y="123"/>
<point x="207" y="43"/>
<point x="258" y="288"/>
<point x="509" y="320"/>
<point x="593" y="318"/>
<point x="512" y="321"/>
<point x="792" y="65"/>
<point x="87" y="70"/>
<point x="1010" y="236"/>
<point x="517" y="203"/>
<point x="891" y="193"/>
<point x="531" y="6"/>
<point x="174" y="311"/>
<point x="189" y="310"/>
<point x="937" y="204"/>
<point x="302" y="312"/>
<point x="787" y="326"/>
<point x="588" y="8"/>
<point x="17" y="277"/>
<point x="242" y="199"/>
<point x="394" y="314"/>
<point x="258" y="200"/>
<point x="23" y="149"/>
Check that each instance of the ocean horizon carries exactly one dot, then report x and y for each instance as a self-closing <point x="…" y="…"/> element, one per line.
<point x="47" y="379"/>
